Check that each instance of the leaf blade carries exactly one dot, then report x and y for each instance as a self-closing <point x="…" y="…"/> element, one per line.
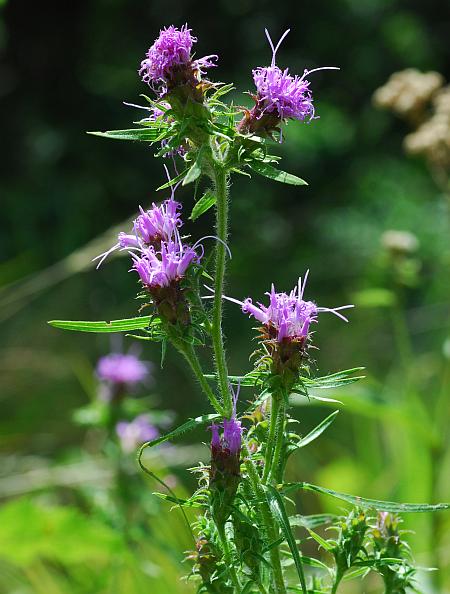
<point x="389" y="506"/>
<point x="276" y="174"/>
<point x="203" y="205"/>
<point x="143" y="322"/>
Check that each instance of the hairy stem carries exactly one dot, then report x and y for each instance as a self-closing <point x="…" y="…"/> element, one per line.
<point x="337" y="580"/>
<point x="188" y="352"/>
<point x="269" y="525"/>
<point x="279" y="439"/>
<point x="275" y="405"/>
<point x="220" y="182"/>
<point x="228" y="557"/>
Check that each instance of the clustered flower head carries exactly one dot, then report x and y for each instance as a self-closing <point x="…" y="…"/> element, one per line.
<point x="136" y="432"/>
<point x="279" y="96"/>
<point x="160" y="257"/>
<point x="288" y="316"/>
<point x="123" y="369"/>
<point x="169" y="61"/>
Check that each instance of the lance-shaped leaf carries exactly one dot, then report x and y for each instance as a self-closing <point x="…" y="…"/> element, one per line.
<point x="388" y="506"/>
<point x="276" y="174"/>
<point x="143" y="322"/>
<point x="204" y="204"/>
<point x="144" y="134"/>
<point x="321" y="427"/>
<point x="184" y="428"/>
<point x="278" y="510"/>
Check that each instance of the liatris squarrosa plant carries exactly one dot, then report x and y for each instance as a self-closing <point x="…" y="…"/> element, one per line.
<point x="243" y="536"/>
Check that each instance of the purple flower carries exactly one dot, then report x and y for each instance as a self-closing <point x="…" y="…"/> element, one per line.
<point x="287" y="317"/>
<point x="123" y="369"/>
<point x="151" y="227"/>
<point x="161" y="268"/>
<point x="135" y="433"/>
<point x="279" y="96"/>
<point x="169" y="60"/>
<point x="231" y="440"/>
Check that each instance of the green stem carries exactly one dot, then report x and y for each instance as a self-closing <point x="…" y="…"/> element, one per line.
<point x="188" y="352"/>
<point x="337" y="581"/>
<point x="275" y="405"/>
<point x="269" y="525"/>
<point x="279" y="439"/>
<point x="220" y="182"/>
<point x="228" y="557"/>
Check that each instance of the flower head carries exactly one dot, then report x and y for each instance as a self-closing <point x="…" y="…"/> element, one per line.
<point x="150" y="228"/>
<point x="279" y="96"/>
<point x="288" y="316"/>
<point x="136" y="432"/>
<point x="123" y="369"/>
<point x="231" y="439"/>
<point x="169" y="62"/>
<point x="158" y="269"/>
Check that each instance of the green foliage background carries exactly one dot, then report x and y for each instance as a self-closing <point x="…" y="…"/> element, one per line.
<point x="66" y="68"/>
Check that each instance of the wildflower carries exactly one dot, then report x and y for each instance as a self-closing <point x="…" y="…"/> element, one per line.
<point x="150" y="228"/>
<point x="158" y="269"/>
<point x="136" y="432"/>
<point x="225" y="464"/>
<point x="286" y="323"/>
<point x="279" y="96"/>
<point x="169" y="61"/>
<point x="123" y="369"/>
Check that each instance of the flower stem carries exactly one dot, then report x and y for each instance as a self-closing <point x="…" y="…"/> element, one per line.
<point x="279" y="439"/>
<point x="220" y="182"/>
<point x="337" y="580"/>
<point x="188" y="352"/>
<point x="269" y="525"/>
<point x="228" y="557"/>
<point x="275" y="404"/>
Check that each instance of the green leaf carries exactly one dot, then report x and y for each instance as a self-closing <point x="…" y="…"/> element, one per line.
<point x="177" y="501"/>
<point x="321" y="427"/>
<point x="278" y="510"/>
<point x="321" y="541"/>
<point x="333" y="380"/>
<point x="193" y="173"/>
<point x="143" y="322"/>
<point x="201" y="206"/>
<point x="173" y="181"/>
<point x="276" y="174"/>
<point x="144" y="134"/>
<point x="188" y="426"/>
<point x="388" y="506"/>
<point x="312" y="521"/>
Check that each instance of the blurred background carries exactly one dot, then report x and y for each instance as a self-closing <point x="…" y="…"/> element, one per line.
<point x="372" y="226"/>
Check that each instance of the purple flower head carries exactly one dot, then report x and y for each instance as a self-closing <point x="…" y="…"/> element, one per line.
<point x="279" y="96"/>
<point x="169" y="59"/>
<point x="161" y="268"/>
<point x="160" y="223"/>
<point x="231" y="439"/>
<point x="287" y="317"/>
<point x="136" y="432"/>
<point x="123" y="369"/>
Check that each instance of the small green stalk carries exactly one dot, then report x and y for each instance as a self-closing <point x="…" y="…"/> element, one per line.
<point x="279" y="439"/>
<point x="275" y="405"/>
<point x="269" y="526"/>
<point x="220" y="183"/>
<point x="188" y="352"/>
<point x="337" y="580"/>
<point x="228" y="557"/>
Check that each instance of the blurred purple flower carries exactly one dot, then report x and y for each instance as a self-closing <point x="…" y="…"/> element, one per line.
<point x="169" y="59"/>
<point x="123" y="369"/>
<point x="136" y="432"/>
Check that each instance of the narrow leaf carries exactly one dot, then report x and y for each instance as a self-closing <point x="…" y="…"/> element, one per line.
<point x="388" y="506"/>
<point x="173" y="181"/>
<point x="277" y="506"/>
<point x="143" y="322"/>
<point x="276" y="174"/>
<point x="321" y="427"/>
<point x="201" y="206"/>
<point x="188" y="426"/>
<point x="145" y="134"/>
